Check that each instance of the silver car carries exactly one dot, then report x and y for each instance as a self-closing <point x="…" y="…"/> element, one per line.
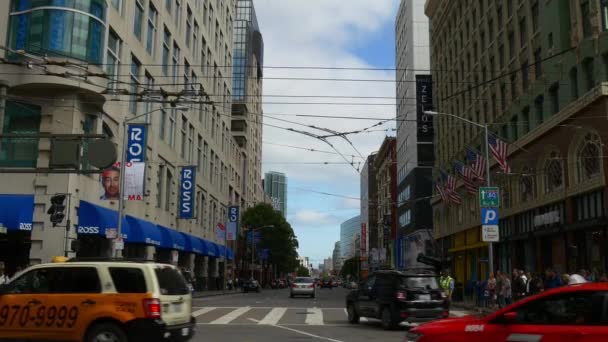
<point x="303" y="287"/>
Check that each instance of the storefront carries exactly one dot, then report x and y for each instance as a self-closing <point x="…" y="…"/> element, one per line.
<point x="16" y="218"/>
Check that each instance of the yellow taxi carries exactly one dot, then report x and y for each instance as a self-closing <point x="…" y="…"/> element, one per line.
<point x="91" y="301"/>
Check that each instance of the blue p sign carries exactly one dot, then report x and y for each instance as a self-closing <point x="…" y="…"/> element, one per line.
<point x="489" y="217"/>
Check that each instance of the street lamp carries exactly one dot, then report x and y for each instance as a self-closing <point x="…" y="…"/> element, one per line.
<point x="253" y="230"/>
<point x="121" y="198"/>
<point x="486" y="152"/>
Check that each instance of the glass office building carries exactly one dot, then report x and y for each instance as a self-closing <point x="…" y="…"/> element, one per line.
<point x="275" y="186"/>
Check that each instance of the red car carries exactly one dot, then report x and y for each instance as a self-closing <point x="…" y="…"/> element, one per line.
<point x="572" y="313"/>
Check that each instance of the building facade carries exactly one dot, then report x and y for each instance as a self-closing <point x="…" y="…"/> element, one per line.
<point x="348" y="229"/>
<point x="369" y="204"/>
<point x="535" y="71"/>
<point x="415" y="133"/>
<point x="385" y="164"/>
<point x="247" y="114"/>
<point x="337" y="258"/>
<point x="275" y="186"/>
<point x="89" y="66"/>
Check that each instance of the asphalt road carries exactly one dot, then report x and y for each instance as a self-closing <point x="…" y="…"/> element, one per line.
<point x="272" y="316"/>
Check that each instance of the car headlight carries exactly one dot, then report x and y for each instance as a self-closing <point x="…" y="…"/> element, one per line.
<point x="412" y="337"/>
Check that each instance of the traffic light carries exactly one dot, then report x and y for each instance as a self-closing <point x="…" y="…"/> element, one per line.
<point x="56" y="211"/>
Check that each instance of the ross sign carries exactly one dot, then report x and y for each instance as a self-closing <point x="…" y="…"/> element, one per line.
<point x="233" y="220"/>
<point x="547" y="218"/>
<point x="424" y="102"/>
<point x="489" y="197"/>
<point x="186" y="192"/>
<point x="490" y="234"/>
<point x="136" y="143"/>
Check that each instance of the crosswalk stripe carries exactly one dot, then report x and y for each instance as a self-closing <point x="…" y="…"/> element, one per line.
<point x="202" y="311"/>
<point x="274" y="316"/>
<point x="314" y="317"/>
<point x="226" y="319"/>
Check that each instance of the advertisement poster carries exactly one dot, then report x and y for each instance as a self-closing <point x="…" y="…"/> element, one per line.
<point x="134" y="182"/>
<point x="233" y="220"/>
<point x="186" y="192"/>
<point x="220" y="232"/>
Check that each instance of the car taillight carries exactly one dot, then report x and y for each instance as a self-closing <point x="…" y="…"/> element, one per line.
<point x="152" y="307"/>
<point x="401" y="295"/>
<point x="294" y="286"/>
<point x="311" y="286"/>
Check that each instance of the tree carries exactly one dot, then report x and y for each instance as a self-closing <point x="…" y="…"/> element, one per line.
<point x="303" y="271"/>
<point x="279" y="239"/>
<point x="351" y="267"/>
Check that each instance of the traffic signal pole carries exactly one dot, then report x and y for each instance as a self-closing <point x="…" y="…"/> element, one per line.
<point x="67" y="228"/>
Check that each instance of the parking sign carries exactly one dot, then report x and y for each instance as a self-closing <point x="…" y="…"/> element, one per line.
<point x="489" y="225"/>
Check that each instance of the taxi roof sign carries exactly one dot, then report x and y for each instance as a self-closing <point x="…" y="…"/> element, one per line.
<point x="59" y="259"/>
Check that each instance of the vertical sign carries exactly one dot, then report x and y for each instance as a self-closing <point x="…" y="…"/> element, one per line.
<point x="136" y="143"/>
<point x="220" y="232"/>
<point x="233" y="219"/>
<point x="363" y="239"/>
<point x="186" y="192"/>
<point x="424" y="102"/>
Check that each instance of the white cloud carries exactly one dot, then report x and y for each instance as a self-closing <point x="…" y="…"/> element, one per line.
<point x="312" y="218"/>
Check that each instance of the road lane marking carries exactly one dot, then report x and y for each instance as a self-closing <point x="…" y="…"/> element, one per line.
<point x="274" y="316"/>
<point x="314" y="316"/>
<point x="202" y="311"/>
<point x="226" y="319"/>
<point x="300" y="332"/>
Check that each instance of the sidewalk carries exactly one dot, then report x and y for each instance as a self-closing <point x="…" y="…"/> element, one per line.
<point x="470" y="305"/>
<point x="203" y="294"/>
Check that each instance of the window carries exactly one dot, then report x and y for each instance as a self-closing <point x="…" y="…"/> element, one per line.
<point x="211" y="167"/>
<point x="139" y="19"/>
<point x="166" y="50"/>
<point x="160" y="175"/>
<point x="162" y="127"/>
<point x="195" y="39"/>
<point x="190" y="151"/>
<point x="499" y="16"/>
<point x="56" y="280"/>
<point x="134" y="75"/>
<point x="589" y="157"/>
<point x="176" y="53"/>
<point x="554" y="96"/>
<point x="513" y="86"/>
<point x="184" y="132"/>
<point x="151" y="37"/>
<point x="171" y="281"/>
<point x="524" y="76"/>
<point x="188" y="25"/>
<point x="554" y="179"/>
<point x="113" y="59"/>
<point x="178" y="13"/>
<point x="589" y="74"/>
<point x="535" y="17"/>
<point x="523" y="34"/>
<point x="168" y="193"/>
<point x="168" y="5"/>
<point x="574" y="83"/>
<point x="205" y="159"/>
<point x="199" y="153"/>
<point x="513" y="134"/>
<point x="117" y="4"/>
<point x="526" y="120"/>
<point x="538" y="67"/>
<point x="148" y="104"/>
<point x="511" y="39"/>
<point x="586" y="18"/>
<point x="579" y="308"/>
<point x="526" y="184"/>
<point x="539" y="110"/>
<point x="128" y="280"/>
<point x="172" y="119"/>
<point x="501" y="56"/>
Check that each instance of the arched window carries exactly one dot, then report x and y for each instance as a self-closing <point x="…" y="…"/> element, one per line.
<point x="554" y="173"/>
<point x="526" y="184"/>
<point x="588" y="157"/>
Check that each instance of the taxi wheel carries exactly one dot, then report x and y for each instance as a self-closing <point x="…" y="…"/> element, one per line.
<point x="106" y="332"/>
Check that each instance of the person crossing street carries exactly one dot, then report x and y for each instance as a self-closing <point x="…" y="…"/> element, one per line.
<point x="447" y="284"/>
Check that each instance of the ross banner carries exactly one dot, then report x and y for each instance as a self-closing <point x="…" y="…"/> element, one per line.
<point x="186" y="192"/>
<point x="233" y="220"/>
<point x="220" y="232"/>
<point x="136" y="143"/>
<point x="134" y="182"/>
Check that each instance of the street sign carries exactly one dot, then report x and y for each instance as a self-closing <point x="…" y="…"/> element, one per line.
<point x="489" y="197"/>
<point x="490" y="234"/>
<point x="111" y="233"/>
<point x="119" y="244"/>
<point x="489" y="217"/>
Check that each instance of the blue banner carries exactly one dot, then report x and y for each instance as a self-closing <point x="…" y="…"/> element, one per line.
<point x="233" y="219"/>
<point x="186" y="192"/>
<point x="136" y="143"/>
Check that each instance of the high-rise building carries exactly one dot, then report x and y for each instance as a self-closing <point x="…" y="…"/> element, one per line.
<point x="369" y="204"/>
<point x="275" y="186"/>
<point x="348" y="229"/>
<point x="415" y="133"/>
<point x="337" y="257"/>
<point x="247" y="114"/>
<point x="535" y="72"/>
<point x="88" y="67"/>
<point x="385" y="164"/>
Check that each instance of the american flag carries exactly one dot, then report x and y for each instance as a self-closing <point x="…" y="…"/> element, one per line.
<point x="451" y="190"/>
<point x="499" y="151"/>
<point x="466" y="173"/>
<point x="441" y="191"/>
<point x="477" y="163"/>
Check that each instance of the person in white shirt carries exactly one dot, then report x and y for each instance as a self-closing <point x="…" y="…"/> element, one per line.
<point x="3" y="277"/>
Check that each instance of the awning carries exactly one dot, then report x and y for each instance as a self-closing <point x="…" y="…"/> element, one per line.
<point x="221" y="250"/>
<point x="211" y="249"/>
<point x="196" y="246"/>
<point x="17" y="212"/>
<point x="230" y="254"/>
<point x="94" y="220"/>
<point x="467" y="247"/>
<point x="175" y="239"/>
<point x="142" y="231"/>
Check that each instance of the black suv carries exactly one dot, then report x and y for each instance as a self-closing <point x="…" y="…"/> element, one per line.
<point x="395" y="297"/>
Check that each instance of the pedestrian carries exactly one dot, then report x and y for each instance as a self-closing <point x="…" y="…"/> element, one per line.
<point x="492" y="290"/>
<point x="447" y="284"/>
<point x="515" y="284"/>
<point x="500" y="288"/>
<point x="523" y="283"/>
<point x="507" y="290"/>
<point x="528" y="283"/>
<point x="565" y="279"/>
<point x="552" y="281"/>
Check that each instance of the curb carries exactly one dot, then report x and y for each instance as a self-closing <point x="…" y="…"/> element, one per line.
<point x="204" y="295"/>
<point x="472" y="308"/>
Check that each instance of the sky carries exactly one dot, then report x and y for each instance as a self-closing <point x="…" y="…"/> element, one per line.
<point x="331" y="34"/>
